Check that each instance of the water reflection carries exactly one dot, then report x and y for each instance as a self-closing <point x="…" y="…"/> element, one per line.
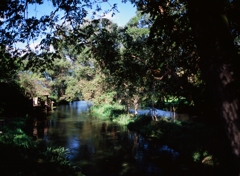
<point x="102" y="147"/>
<point x="40" y="128"/>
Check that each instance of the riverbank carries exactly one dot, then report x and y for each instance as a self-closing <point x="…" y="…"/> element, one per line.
<point x="177" y="147"/>
<point x="202" y="147"/>
<point x="21" y="155"/>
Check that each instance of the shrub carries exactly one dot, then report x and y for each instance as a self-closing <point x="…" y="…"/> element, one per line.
<point x="193" y="140"/>
<point x="20" y="155"/>
<point x="113" y="112"/>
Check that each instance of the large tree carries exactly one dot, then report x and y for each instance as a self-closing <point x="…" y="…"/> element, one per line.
<point x="211" y="24"/>
<point x="219" y="62"/>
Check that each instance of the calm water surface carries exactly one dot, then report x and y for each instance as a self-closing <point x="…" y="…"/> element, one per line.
<point x="103" y="147"/>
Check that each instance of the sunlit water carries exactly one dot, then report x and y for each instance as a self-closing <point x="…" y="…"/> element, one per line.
<point x="106" y="148"/>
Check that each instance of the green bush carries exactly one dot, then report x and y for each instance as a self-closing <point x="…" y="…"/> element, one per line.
<point x="105" y="98"/>
<point x="193" y="140"/>
<point x="20" y="155"/>
<point x="108" y="110"/>
<point x="113" y="112"/>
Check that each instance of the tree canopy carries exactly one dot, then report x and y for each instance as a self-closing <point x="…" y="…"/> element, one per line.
<point x="180" y="48"/>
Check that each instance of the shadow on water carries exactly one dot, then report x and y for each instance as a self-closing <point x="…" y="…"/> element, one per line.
<point x="106" y="148"/>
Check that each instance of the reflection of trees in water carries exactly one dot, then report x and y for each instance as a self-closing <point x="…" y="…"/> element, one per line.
<point x="107" y="148"/>
<point x="40" y="129"/>
<point x="135" y="142"/>
<point x="104" y="127"/>
<point x="150" y="156"/>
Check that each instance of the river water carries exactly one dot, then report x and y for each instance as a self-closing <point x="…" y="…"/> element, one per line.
<point x="106" y="148"/>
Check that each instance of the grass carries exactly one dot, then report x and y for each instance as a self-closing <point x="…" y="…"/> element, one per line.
<point x="203" y="148"/>
<point x="115" y="112"/>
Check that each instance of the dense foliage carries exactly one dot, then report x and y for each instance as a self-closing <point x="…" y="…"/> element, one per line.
<point x="171" y="50"/>
<point x="21" y="155"/>
<point x="152" y="62"/>
<point x="113" y="112"/>
<point x="200" y="145"/>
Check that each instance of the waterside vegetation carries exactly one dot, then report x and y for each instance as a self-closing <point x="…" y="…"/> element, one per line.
<point x="21" y="155"/>
<point x="172" y="55"/>
<point x="202" y="147"/>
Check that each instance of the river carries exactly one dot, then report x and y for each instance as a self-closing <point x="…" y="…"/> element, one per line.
<point x="103" y="147"/>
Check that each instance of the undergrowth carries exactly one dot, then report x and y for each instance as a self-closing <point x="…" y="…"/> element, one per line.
<point x="203" y="148"/>
<point x="196" y="142"/>
<point x="21" y="155"/>
<point x="115" y="113"/>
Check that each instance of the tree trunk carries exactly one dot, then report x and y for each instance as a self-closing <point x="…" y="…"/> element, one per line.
<point x="135" y="103"/>
<point x="218" y="64"/>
